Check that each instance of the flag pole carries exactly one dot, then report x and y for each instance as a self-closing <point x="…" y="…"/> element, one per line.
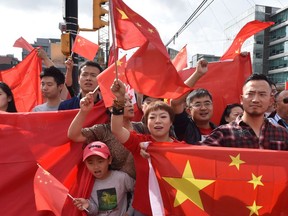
<point x="69" y="195"/>
<point x="113" y="37"/>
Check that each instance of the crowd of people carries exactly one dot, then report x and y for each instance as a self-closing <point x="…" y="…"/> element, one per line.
<point x="116" y="152"/>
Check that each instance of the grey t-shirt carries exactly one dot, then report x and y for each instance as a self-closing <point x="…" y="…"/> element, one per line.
<point x="44" y="107"/>
<point x="109" y="195"/>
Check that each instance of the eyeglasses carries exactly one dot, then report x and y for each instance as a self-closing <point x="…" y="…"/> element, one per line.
<point x="285" y="100"/>
<point x="199" y="105"/>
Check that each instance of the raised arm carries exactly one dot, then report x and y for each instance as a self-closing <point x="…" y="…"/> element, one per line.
<point x="201" y="69"/>
<point x="43" y="55"/>
<point x="121" y="133"/>
<point x="74" y="131"/>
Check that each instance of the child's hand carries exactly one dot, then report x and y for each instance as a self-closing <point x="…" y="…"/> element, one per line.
<point x="81" y="203"/>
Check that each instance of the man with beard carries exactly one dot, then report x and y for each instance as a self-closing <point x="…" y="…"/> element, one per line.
<point x="87" y="80"/>
<point x="52" y="83"/>
<point x="252" y="129"/>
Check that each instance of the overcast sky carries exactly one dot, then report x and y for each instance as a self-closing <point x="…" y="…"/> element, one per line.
<point x="33" y="19"/>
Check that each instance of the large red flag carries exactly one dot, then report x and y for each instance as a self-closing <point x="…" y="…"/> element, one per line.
<point x="224" y="80"/>
<point x="22" y="43"/>
<point x="151" y="73"/>
<point x="106" y="78"/>
<point x="150" y="66"/>
<point x="85" y="47"/>
<point x="50" y="194"/>
<point x="247" y="31"/>
<point x="202" y="180"/>
<point x="24" y="80"/>
<point x="180" y="60"/>
<point x="31" y="138"/>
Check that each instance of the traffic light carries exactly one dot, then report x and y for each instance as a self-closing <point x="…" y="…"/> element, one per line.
<point x="98" y="13"/>
<point x="65" y="44"/>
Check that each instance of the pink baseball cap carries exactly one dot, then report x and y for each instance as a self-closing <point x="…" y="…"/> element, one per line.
<point x="96" y="148"/>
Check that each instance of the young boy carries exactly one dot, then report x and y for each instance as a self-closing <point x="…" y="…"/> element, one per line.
<point x="109" y="193"/>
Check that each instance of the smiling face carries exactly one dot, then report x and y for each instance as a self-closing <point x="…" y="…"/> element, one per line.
<point x="98" y="166"/>
<point x="159" y="123"/>
<point x="201" y="109"/>
<point x="256" y="97"/>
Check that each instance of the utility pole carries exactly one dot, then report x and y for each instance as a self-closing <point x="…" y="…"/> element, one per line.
<point x="71" y="20"/>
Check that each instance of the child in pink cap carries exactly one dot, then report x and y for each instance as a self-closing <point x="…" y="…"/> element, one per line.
<point x="109" y="193"/>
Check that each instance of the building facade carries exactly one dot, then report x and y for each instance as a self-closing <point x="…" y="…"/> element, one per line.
<point x="268" y="48"/>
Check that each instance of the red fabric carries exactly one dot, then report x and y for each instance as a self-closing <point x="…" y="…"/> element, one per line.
<point x="24" y="81"/>
<point x="286" y="85"/>
<point x="113" y="52"/>
<point x="224" y="80"/>
<point x="31" y="138"/>
<point x="107" y="77"/>
<point x="150" y="67"/>
<point x="85" y="48"/>
<point x="151" y="73"/>
<point x="50" y="194"/>
<point x="228" y="190"/>
<point x="247" y="31"/>
<point x="180" y="60"/>
<point x="22" y="43"/>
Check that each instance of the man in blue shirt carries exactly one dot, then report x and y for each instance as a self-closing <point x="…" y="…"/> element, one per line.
<point x="87" y="80"/>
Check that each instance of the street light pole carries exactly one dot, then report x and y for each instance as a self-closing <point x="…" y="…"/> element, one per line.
<point x="71" y="20"/>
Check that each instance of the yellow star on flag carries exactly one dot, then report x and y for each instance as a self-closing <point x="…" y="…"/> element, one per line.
<point x="236" y="161"/>
<point x="123" y="15"/>
<point x="188" y="187"/>
<point x="119" y="63"/>
<point x="256" y="181"/>
<point x="254" y="209"/>
<point x="150" y="30"/>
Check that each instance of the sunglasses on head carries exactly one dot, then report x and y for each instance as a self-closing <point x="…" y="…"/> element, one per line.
<point x="285" y="100"/>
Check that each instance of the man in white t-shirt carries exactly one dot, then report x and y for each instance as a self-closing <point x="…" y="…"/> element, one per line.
<point x="52" y="83"/>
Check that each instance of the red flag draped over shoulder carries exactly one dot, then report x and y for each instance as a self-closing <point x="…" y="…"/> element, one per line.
<point x="24" y="81"/>
<point x="224" y="80"/>
<point x="31" y="138"/>
<point x="149" y="70"/>
<point x="202" y="180"/>
<point x="247" y="31"/>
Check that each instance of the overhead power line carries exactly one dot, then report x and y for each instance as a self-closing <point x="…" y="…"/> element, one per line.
<point x="188" y="21"/>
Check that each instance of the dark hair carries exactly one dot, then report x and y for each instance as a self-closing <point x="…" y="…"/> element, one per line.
<point x="11" y="104"/>
<point x="158" y="105"/>
<point x="54" y="72"/>
<point x="197" y="93"/>
<point x="147" y="96"/>
<point x="258" y="77"/>
<point x="92" y="64"/>
<point x="227" y="112"/>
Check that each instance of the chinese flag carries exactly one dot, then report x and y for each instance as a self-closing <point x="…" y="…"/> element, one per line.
<point x="151" y="73"/>
<point x="85" y="47"/>
<point x="28" y="140"/>
<point x="224" y="80"/>
<point x="24" y="81"/>
<point x="247" y="31"/>
<point x="113" y="53"/>
<point x="22" y="43"/>
<point x="107" y="77"/>
<point x="286" y="85"/>
<point x="150" y="66"/>
<point x="180" y="60"/>
<point x="50" y="194"/>
<point x="202" y="180"/>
